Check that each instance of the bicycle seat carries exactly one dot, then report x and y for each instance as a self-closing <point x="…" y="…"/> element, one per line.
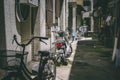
<point x="44" y="53"/>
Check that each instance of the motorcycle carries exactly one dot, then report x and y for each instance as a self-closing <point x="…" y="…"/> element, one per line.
<point x="63" y="49"/>
<point x="60" y="50"/>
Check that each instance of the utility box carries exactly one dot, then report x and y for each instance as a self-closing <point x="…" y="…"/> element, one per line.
<point x="32" y="3"/>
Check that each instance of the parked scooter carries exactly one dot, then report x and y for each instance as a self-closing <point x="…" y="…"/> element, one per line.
<point x="63" y="48"/>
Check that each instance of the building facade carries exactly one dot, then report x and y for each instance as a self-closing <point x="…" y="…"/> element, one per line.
<point x="18" y="17"/>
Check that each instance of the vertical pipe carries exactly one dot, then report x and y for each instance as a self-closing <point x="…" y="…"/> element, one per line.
<point x="116" y="35"/>
<point x="74" y="18"/>
<point x="42" y="18"/>
<point x="53" y="11"/>
<point x="92" y="21"/>
<point x="66" y="13"/>
<point x="42" y="22"/>
<point x="52" y="39"/>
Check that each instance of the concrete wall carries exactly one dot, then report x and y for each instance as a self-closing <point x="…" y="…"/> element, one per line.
<point x="62" y="17"/>
<point x="43" y="24"/>
<point x="9" y="27"/>
<point x="10" y="23"/>
<point x="36" y="44"/>
<point x="2" y="26"/>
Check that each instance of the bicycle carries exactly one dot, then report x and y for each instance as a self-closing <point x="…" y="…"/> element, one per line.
<point x="46" y="68"/>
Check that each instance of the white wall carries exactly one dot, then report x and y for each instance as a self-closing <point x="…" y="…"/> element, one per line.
<point x="63" y="17"/>
<point x="11" y="28"/>
<point x="10" y="23"/>
<point x="43" y="23"/>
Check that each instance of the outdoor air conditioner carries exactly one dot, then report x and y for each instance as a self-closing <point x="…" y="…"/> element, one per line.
<point x="33" y="3"/>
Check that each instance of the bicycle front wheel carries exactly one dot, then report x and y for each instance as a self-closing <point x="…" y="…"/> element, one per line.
<point x="49" y="72"/>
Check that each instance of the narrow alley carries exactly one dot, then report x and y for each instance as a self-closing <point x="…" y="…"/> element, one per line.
<point x="59" y="39"/>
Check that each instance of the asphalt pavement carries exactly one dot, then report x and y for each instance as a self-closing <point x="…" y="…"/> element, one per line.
<point x="92" y="61"/>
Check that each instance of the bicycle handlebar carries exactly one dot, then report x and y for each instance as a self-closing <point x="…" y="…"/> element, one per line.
<point x="40" y="39"/>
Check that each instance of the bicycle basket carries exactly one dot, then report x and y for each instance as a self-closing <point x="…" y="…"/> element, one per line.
<point x="10" y="59"/>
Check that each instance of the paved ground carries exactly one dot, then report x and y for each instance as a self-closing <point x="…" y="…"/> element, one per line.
<point x="93" y="62"/>
<point x="63" y="72"/>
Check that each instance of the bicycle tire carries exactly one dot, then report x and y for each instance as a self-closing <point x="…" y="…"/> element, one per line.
<point x="64" y="60"/>
<point x="16" y="78"/>
<point x="49" y="72"/>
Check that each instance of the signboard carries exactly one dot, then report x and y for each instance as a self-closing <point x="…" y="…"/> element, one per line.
<point x="86" y="14"/>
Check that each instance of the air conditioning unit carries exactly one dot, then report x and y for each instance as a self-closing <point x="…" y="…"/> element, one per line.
<point x="32" y="3"/>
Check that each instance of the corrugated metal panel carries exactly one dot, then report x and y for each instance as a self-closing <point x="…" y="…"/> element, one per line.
<point x="58" y="7"/>
<point x="49" y="10"/>
<point x="49" y="18"/>
<point x="49" y="13"/>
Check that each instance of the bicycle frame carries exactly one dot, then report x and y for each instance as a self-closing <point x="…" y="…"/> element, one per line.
<point x="23" y="70"/>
